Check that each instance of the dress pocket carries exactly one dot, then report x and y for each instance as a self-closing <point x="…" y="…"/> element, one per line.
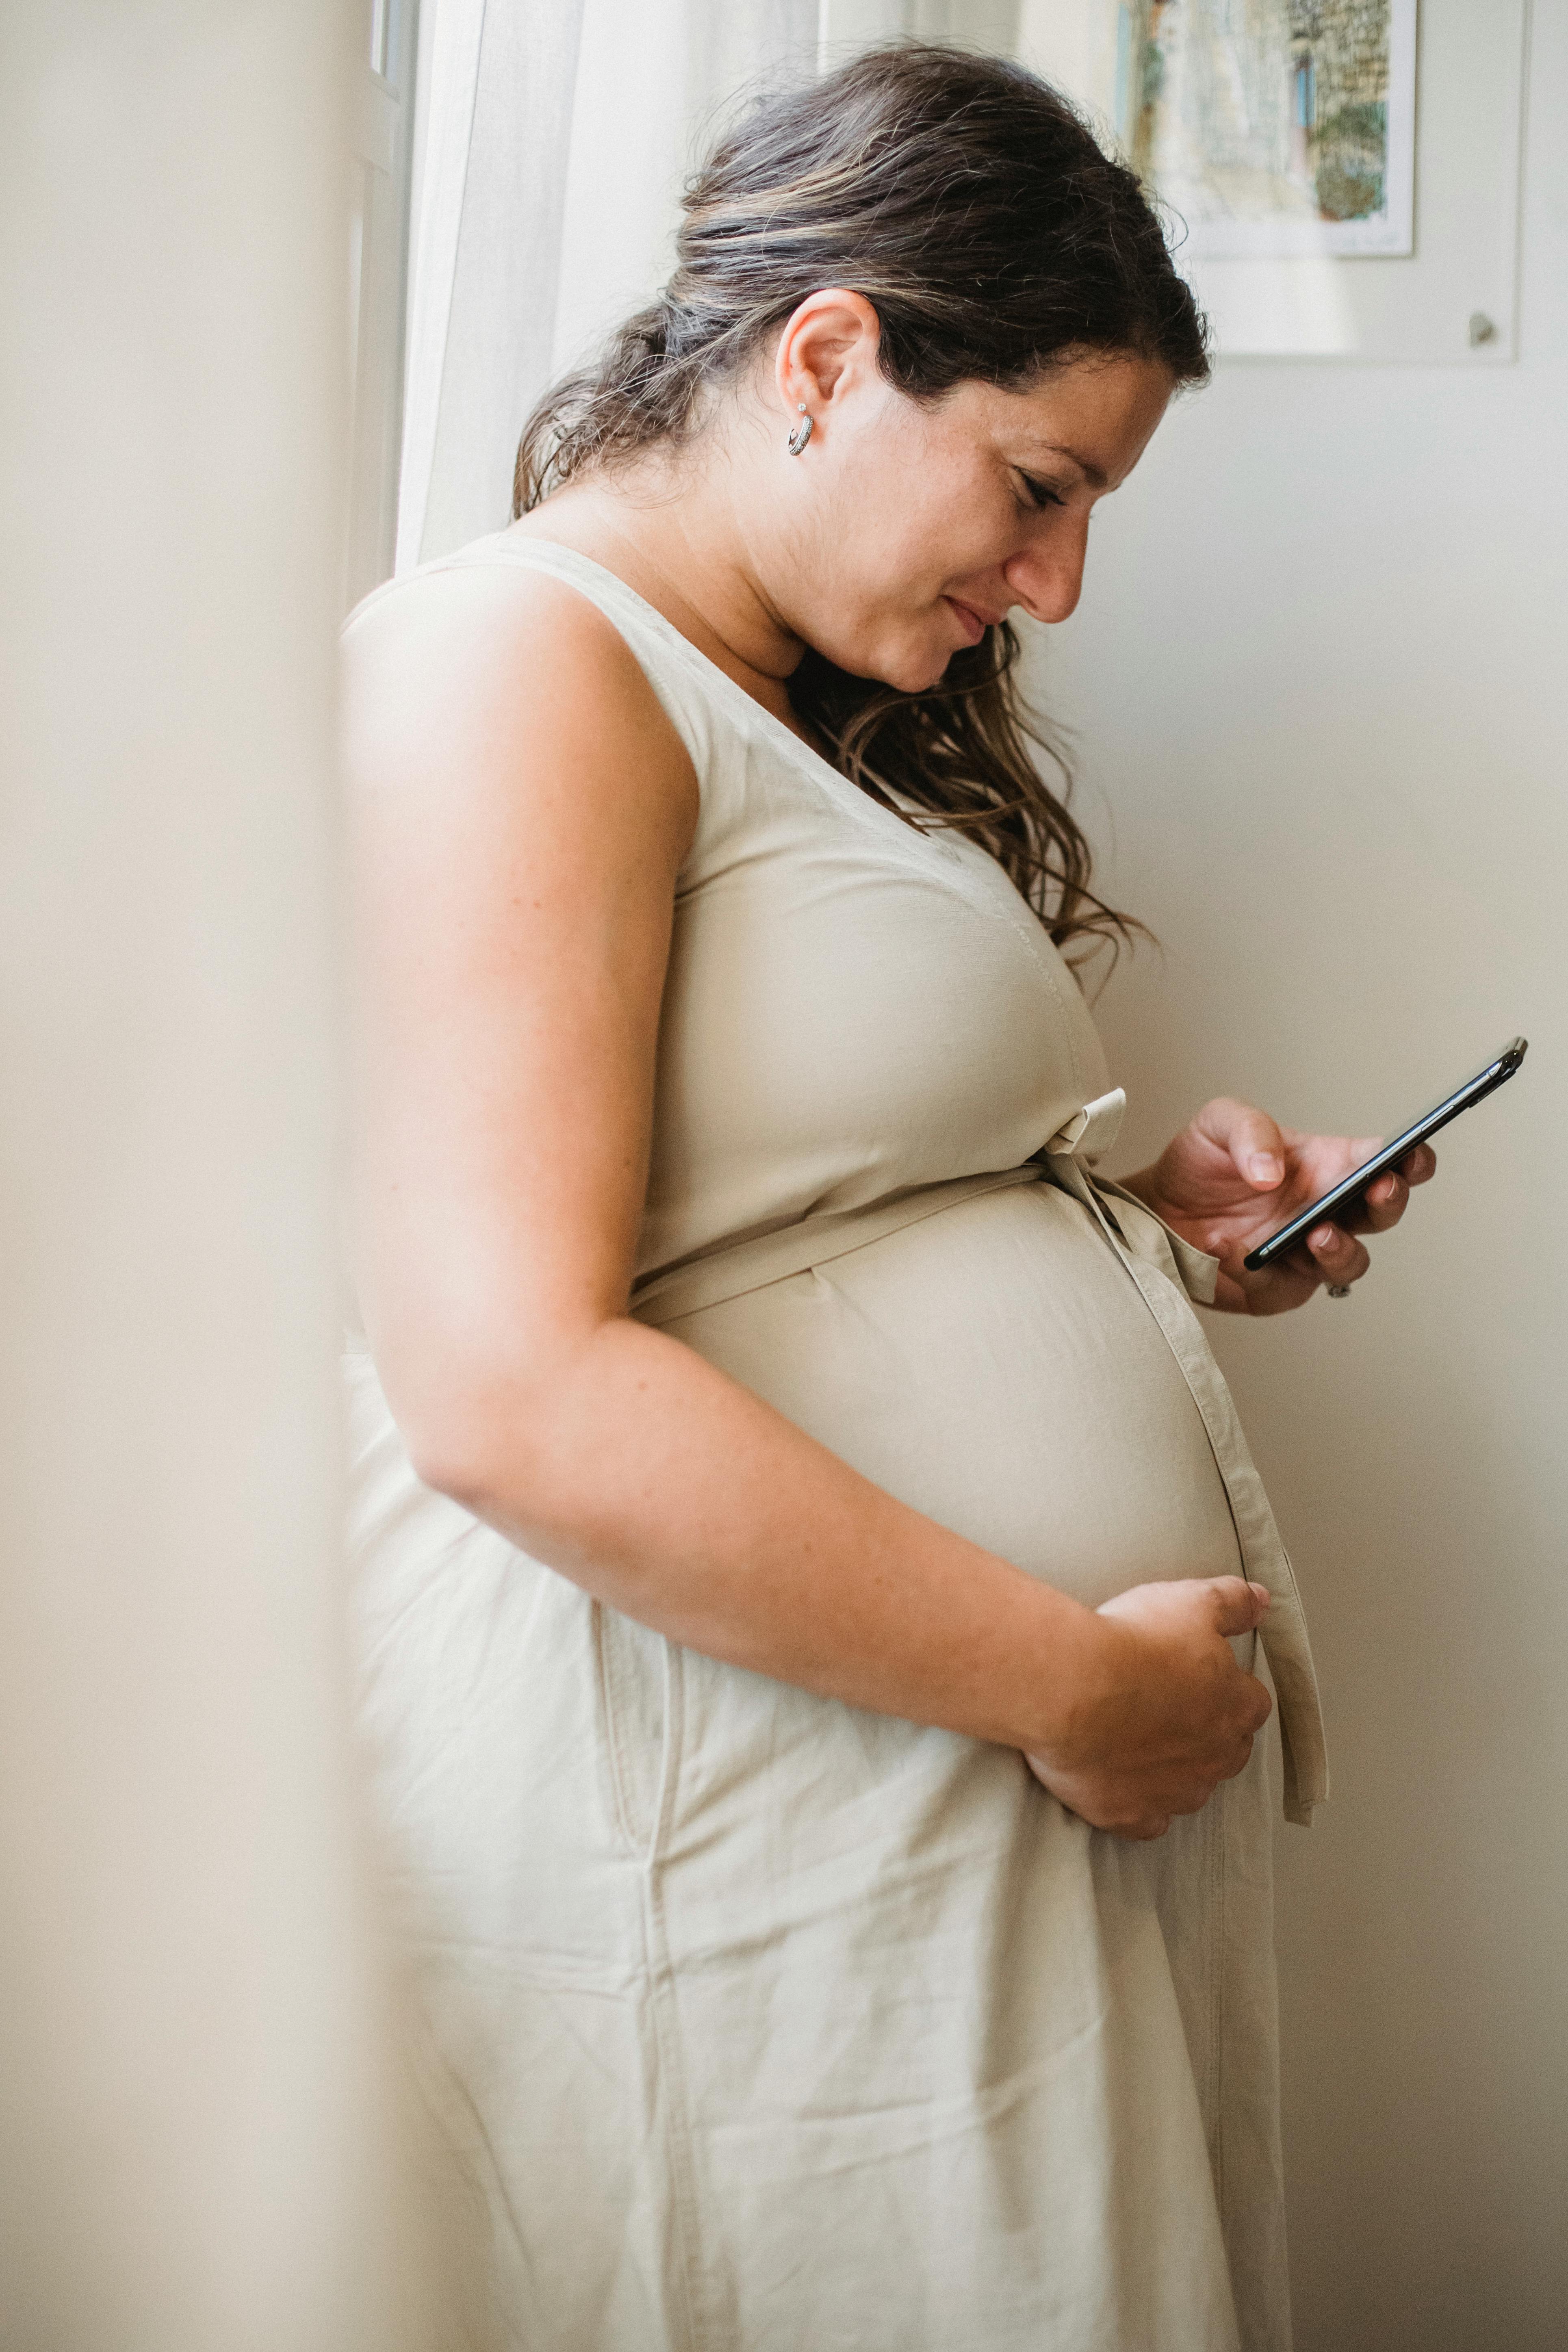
<point x="634" y="1671"/>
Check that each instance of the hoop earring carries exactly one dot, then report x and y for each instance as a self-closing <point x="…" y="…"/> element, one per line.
<point x="801" y="434"/>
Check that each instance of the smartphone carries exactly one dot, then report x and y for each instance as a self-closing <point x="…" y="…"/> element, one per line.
<point x="1350" y="1189"/>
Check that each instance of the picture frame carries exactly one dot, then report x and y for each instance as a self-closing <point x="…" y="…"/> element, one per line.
<point x="1274" y="127"/>
<point x="1427" y="275"/>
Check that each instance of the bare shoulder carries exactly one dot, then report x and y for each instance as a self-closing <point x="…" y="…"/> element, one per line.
<point x="492" y="678"/>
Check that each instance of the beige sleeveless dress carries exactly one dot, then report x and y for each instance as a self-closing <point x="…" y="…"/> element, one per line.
<point x="762" y="2024"/>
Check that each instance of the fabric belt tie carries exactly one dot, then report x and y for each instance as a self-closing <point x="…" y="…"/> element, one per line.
<point x="1168" y="1273"/>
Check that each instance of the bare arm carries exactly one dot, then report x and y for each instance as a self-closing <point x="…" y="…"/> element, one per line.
<point x="520" y="819"/>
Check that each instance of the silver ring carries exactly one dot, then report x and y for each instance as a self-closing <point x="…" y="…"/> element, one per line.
<point x="1339" y="1290"/>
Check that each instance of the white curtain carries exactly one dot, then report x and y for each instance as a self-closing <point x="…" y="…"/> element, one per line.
<point x="556" y="135"/>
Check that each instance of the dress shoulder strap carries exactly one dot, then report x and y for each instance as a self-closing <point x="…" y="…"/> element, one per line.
<point x="682" y="678"/>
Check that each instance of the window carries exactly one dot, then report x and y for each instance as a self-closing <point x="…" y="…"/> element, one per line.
<point x="378" y="256"/>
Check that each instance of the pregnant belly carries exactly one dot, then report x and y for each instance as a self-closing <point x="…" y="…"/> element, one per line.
<point x="996" y="1368"/>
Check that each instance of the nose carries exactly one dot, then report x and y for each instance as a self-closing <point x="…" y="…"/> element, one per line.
<point x="1047" y="574"/>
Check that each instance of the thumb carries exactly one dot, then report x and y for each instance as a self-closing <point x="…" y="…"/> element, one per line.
<point x="1254" y="1143"/>
<point x="1238" y="1606"/>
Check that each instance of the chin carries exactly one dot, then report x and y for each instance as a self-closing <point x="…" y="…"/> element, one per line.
<point x="918" y="671"/>
<point x="912" y="668"/>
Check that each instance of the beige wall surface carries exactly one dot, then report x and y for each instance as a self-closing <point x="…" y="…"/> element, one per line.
<point x="1319" y="680"/>
<point x="193" y="2123"/>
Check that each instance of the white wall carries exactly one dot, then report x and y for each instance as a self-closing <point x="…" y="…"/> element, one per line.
<point x="193" y="2131"/>
<point x="1320" y="673"/>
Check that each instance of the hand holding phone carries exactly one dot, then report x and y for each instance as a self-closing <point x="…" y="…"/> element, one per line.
<point x="1332" y="1206"/>
<point x="1232" y="1168"/>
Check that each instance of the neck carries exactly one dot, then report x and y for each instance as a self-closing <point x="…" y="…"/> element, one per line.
<point x="673" y="533"/>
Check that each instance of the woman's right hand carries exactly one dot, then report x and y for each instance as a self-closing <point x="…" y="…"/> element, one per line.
<point x="1166" y="1713"/>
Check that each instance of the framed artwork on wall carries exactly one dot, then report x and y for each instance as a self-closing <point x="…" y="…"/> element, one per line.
<point x="1341" y="175"/>
<point x="1275" y="127"/>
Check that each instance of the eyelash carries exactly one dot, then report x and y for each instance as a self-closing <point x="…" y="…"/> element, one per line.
<point x="1041" y="493"/>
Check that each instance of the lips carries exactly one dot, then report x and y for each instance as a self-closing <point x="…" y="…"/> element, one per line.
<point x="975" y="624"/>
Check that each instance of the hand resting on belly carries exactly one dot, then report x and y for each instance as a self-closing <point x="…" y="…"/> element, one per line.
<point x="1174" y="1716"/>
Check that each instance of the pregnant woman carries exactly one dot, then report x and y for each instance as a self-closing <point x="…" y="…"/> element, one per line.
<point x="809" y="1570"/>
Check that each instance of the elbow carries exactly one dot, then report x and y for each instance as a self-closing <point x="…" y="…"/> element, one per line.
<point x="491" y="1465"/>
<point x="498" y="1440"/>
<point x="505" y="1419"/>
<point x="480" y="1441"/>
<point x="462" y="1470"/>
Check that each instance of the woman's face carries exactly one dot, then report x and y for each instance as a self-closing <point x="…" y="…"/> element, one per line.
<point x="905" y="526"/>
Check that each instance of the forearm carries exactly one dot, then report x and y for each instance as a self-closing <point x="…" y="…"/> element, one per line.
<point x="674" y="1494"/>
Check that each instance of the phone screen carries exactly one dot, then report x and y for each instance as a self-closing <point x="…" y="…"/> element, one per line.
<point x="1345" y="1194"/>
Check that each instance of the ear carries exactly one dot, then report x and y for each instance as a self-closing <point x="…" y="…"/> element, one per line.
<point x="827" y="348"/>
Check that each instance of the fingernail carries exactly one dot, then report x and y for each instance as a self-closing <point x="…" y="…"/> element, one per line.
<point x="1263" y="1593"/>
<point x="1265" y="1168"/>
<point x="1322" y="1237"/>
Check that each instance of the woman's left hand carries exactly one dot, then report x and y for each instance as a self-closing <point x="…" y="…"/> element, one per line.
<point x="1232" y="1178"/>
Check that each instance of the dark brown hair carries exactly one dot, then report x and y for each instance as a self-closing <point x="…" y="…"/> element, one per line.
<point x="975" y="210"/>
